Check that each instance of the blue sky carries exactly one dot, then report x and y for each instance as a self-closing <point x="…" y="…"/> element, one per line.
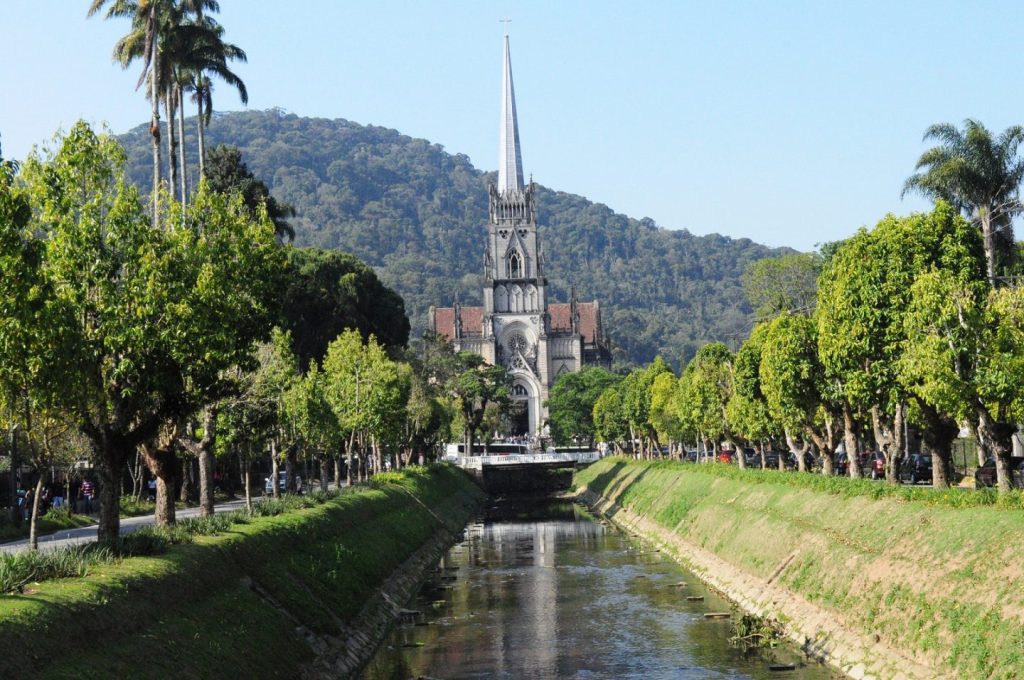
<point x="789" y="123"/>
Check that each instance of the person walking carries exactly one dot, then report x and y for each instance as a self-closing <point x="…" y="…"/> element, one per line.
<point x="88" y="491"/>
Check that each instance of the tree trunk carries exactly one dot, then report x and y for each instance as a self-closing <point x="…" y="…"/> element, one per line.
<point x="799" y="451"/>
<point x="997" y="438"/>
<point x="163" y="464"/>
<point x="337" y="472"/>
<point x="154" y="133"/>
<point x="243" y="467"/>
<point x="937" y="439"/>
<point x="850" y="443"/>
<point x="172" y="142"/>
<point x="206" y="485"/>
<point x="33" y="539"/>
<point x="188" y="479"/>
<point x="181" y="137"/>
<point x="202" y="132"/>
<point x="275" y="467"/>
<point x="989" y="243"/>
<point x="826" y="446"/>
<point x="289" y="470"/>
<point x="324" y="474"/>
<point x="110" y="454"/>
<point x="206" y="462"/>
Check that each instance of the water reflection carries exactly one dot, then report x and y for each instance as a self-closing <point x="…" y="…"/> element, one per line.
<point x="541" y="590"/>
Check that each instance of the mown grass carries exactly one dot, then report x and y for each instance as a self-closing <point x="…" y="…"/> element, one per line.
<point x="186" y="613"/>
<point x="935" y="573"/>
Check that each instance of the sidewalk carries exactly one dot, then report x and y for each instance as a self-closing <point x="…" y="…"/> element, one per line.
<point x="69" y="537"/>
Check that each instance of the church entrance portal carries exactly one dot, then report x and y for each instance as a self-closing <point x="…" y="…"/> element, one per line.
<point x="519" y="419"/>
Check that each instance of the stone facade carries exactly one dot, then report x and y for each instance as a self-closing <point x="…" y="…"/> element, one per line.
<point x="517" y="327"/>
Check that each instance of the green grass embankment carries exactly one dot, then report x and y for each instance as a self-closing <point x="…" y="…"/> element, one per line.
<point x="936" y="576"/>
<point x="191" y="611"/>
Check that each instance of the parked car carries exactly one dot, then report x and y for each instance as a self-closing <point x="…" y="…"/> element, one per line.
<point x="841" y="465"/>
<point x="692" y="455"/>
<point x="873" y="464"/>
<point x="810" y="462"/>
<point x="751" y="458"/>
<point x="725" y="456"/>
<point x="985" y="476"/>
<point x="282" y="483"/>
<point x="916" y="468"/>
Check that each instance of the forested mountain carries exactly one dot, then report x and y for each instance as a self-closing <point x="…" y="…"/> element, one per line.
<point x="418" y="215"/>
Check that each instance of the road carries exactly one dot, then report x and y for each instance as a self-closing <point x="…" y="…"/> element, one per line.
<point x="69" y="537"/>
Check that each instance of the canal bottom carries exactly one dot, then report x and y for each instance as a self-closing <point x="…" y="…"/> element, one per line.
<point x="541" y="589"/>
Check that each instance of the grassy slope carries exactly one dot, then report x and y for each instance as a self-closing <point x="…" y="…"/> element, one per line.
<point x="945" y="581"/>
<point x="187" y="613"/>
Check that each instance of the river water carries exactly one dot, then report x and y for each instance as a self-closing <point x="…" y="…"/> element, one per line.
<point x="540" y="589"/>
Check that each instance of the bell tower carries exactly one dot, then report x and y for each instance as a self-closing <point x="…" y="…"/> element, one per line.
<point x="515" y="319"/>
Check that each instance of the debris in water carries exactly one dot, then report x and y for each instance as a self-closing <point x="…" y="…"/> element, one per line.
<point x="681" y="584"/>
<point x="782" y="666"/>
<point x="695" y="598"/>
<point x="716" y="615"/>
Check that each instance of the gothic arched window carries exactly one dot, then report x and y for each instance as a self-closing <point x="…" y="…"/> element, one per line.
<point x="501" y="299"/>
<point x="515" y="299"/>
<point x="519" y="391"/>
<point x="515" y="266"/>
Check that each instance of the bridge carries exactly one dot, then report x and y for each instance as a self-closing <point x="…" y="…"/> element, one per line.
<point x="526" y="472"/>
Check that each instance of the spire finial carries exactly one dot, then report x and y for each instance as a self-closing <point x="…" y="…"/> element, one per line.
<point x="510" y="161"/>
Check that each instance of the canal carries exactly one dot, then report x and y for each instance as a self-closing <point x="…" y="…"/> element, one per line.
<point x="541" y="589"/>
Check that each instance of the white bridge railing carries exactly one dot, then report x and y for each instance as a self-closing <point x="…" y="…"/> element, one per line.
<point x="478" y="462"/>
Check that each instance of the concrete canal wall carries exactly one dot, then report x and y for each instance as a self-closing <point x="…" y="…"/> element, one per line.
<point x="877" y="587"/>
<point x="304" y="594"/>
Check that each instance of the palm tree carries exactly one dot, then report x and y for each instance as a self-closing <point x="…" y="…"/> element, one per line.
<point x="210" y="56"/>
<point x="977" y="174"/>
<point x="169" y="45"/>
<point x="145" y="16"/>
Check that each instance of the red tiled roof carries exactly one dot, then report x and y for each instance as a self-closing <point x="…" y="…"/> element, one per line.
<point x="472" y="321"/>
<point x="589" y="314"/>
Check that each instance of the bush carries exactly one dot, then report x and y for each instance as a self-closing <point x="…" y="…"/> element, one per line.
<point x="21" y="568"/>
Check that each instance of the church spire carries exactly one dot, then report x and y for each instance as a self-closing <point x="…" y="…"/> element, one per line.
<point x="510" y="161"/>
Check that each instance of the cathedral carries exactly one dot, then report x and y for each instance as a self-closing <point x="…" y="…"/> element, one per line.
<point x="517" y="326"/>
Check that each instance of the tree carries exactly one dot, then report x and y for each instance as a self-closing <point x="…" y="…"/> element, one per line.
<point x="328" y="292"/>
<point x="475" y="386"/>
<point x="662" y="415"/>
<point x="793" y="383"/>
<point x="610" y="423"/>
<point x="863" y="298"/>
<point x="367" y="392"/>
<point x="635" y="391"/>
<point x="782" y="284"/>
<point x="227" y="173"/>
<point x="153" y="315"/>
<point x="710" y="386"/>
<point x="979" y="175"/>
<point x="145" y="17"/>
<point x="964" y="354"/>
<point x="571" y="403"/>
<point x="747" y="409"/>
